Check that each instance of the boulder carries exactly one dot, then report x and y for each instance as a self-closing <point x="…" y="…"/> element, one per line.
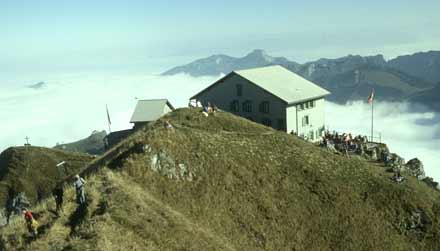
<point x="396" y="162"/>
<point x="430" y="182"/>
<point x="414" y="167"/>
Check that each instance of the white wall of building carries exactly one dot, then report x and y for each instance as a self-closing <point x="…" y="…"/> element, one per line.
<point x="291" y="119"/>
<point x="316" y="119"/>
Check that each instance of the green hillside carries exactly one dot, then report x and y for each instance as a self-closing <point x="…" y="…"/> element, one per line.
<point x="33" y="170"/>
<point x="225" y="183"/>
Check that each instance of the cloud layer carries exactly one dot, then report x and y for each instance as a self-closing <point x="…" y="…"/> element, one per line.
<point x="70" y="107"/>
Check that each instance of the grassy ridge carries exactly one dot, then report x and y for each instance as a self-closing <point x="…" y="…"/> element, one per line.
<point x="224" y="183"/>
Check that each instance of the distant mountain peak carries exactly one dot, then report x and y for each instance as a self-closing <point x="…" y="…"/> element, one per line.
<point x="259" y="54"/>
<point x="38" y="85"/>
<point x="222" y="64"/>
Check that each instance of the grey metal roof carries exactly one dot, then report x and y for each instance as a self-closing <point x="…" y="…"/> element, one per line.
<point x="149" y="110"/>
<point x="283" y="83"/>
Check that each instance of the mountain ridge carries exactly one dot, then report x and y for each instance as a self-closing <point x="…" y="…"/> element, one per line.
<point x="349" y="78"/>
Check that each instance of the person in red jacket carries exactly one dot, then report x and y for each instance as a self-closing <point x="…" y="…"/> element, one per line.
<point x="31" y="223"/>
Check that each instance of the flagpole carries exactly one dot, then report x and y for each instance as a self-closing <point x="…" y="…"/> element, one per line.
<point x="108" y="119"/>
<point x="372" y="119"/>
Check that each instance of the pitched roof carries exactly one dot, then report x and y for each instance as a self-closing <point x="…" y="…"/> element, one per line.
<point x="149" y="110"/>
<point x="280" y="82"/>
<point x="283" y="83"/>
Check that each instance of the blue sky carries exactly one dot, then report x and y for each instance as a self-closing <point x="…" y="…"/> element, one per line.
<point x="76" y="35"/>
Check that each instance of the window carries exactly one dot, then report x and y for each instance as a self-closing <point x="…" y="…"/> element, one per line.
<point x="305" y="120"/>
<point x="267" y="122"/>
<point x="247" y="106"/>
<point x="239" y="90"/>
<point x="234" y="106"/>
<point x="306" y="105"/>
<point x="281" y="124"/>
<point x="264" y="107"/>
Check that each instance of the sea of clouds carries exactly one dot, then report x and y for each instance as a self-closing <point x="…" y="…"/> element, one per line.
<point x="70" y="106"/>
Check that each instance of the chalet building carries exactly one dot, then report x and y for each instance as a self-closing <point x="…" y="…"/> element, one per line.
<point x="273" y="96"/>
<point x="146" y="111"/>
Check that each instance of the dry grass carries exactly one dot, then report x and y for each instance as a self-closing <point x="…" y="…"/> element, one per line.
<point x="252" y="189"/>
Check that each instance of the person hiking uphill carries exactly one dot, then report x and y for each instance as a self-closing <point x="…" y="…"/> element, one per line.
<point x="31" y="223"/>
<point x="79" y="188"/>
<point x="58" y="194"/>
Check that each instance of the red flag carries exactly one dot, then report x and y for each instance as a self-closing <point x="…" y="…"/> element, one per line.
<point x="371" y="97"/>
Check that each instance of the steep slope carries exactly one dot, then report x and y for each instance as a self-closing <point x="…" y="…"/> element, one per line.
<point x="93" y="144"/>
<point x="423" y="65"/>
<point x="33" y="170"/>
<point x="225" y="183"/>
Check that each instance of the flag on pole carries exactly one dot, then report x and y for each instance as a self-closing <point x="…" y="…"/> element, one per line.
<point x="371" y="97"/>
<point x="108" y="115"/>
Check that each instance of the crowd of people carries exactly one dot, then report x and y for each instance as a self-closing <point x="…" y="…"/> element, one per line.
<point x="346" y="143"/>
<point x="343" y="142"/>
<point x="210" y="108"/>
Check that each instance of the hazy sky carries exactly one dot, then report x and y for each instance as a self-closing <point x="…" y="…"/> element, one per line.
<point x="77" y="35"/>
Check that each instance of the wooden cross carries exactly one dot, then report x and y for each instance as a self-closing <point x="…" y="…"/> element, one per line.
<point x="27" y="140"/>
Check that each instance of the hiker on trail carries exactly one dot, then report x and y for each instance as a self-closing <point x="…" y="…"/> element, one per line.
<point x="19" y="202"/>
<point x="193" y="103"/>
<point x="386" y="157"/>
<point x="79" y="188"/>
<point x="58" y="193"/>
<point x="168" y="125"/>
<point x="31" y="223"/>
<point x="214" y="108"/>
<point x="205" y="111"/>
<point x="209" y="107"/>
<point x="397" y="177"/>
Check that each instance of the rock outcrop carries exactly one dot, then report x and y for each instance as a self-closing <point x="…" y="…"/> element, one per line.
<point x="414" y="167"/>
